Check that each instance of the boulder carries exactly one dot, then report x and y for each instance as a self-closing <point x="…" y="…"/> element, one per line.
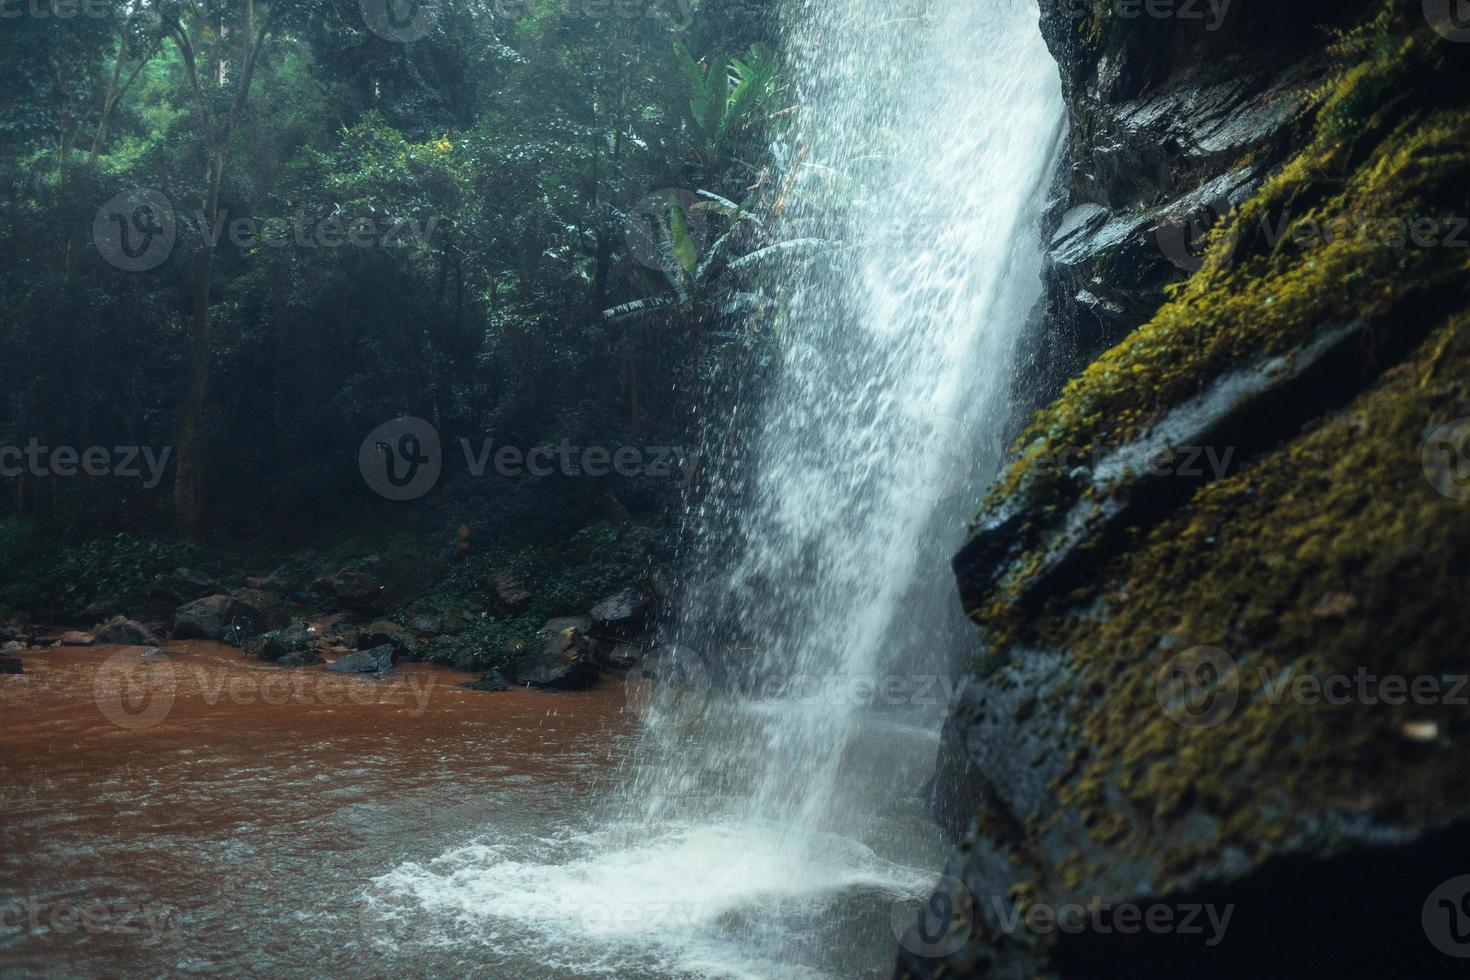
<point x="428" y="626"/>
<point x="210" y="617"/>
<point x="625" y="614"/>
<point x="505" y="585"/>
<point x="566" y="659"/>
<point x="181" y="586"/>
<point x="301" y="658"/>
<point x="10" y="665"/>
<point x="624" y="656"/>
<point x="492" y="681"/>
<point x="377" y="584"/>
<point x="121" y="631"/>
<point x="75" y="638"/>
<point x="375" y="661"/>
<point x="282" y="643"/>
<point x="14" y="646"/>
<point x="387" y="633"/>
<point x="202" y="619"/>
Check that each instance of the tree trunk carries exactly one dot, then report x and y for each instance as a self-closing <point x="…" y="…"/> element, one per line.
<point x="189" y="455"/>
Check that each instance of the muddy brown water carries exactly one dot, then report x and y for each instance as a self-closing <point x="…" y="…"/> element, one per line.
<point x="206" y="813"/>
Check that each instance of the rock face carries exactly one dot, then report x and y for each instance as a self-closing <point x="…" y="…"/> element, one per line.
<point x="1225" y="516"/>
<point x="1173" y="121"/>
<point x="566" y="659"/>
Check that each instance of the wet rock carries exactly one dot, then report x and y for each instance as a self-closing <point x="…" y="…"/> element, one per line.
<point x="566" y="658"/>
<point x="626" y="614"/>
<point x="377" y="661"/>
<point x="210" y="617"/>
<point x="10" y="665"/>
<point x="75" y="638"/>
<point x="428" y="626"/>
<point x="277" y="644"/>
<point x="387" y="633"/>
<point x="124" y="632"/>
<point x="14" y="646"/>
<point x="300" y="658"/>
<point x="154" y="653"/>
<point x="203" y="619"/>
<point x="492" y="681"/>
<point x="377" y="584"/>
<point x="624" y="656"/>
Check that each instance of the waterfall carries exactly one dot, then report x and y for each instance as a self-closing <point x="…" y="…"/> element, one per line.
<point x="772" y="808"/>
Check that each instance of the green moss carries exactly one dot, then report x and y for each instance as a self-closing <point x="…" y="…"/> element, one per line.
<point x="1373" y="160"/>
<point x="1345" y="511"/>
<point x="1326" y="555"/>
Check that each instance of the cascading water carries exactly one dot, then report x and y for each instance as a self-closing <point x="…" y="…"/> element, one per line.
<point x="765" y="828"/>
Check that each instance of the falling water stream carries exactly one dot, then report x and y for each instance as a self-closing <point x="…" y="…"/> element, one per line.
<point x="771" y="813"/>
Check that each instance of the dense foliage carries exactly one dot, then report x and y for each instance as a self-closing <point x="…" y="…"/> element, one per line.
<point x="373" y="212"/>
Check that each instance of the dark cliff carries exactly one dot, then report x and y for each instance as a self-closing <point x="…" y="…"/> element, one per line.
<point x="1216" y="589"/>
